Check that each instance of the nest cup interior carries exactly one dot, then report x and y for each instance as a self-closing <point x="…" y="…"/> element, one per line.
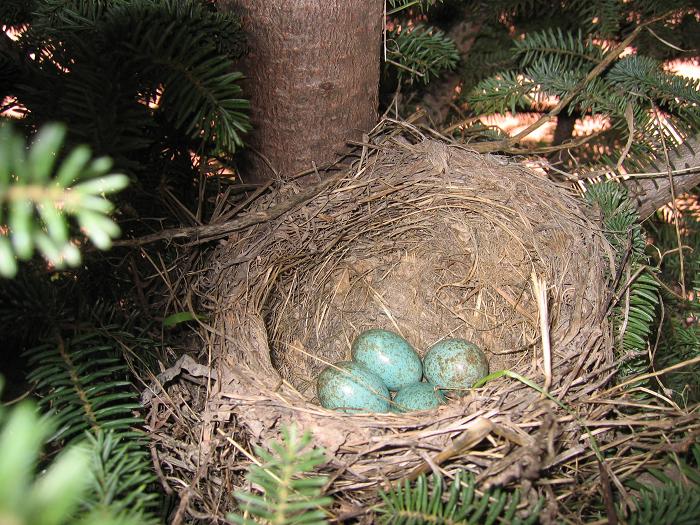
<point x="430" y="241"/>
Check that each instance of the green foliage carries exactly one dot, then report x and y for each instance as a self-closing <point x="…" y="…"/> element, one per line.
<point x="289" y="495"/>
<point x="670" y="502"/>
<point x="563" y="50"/>
<point x="635" y="312"/>
<point x="620" y="220"/>
<point x="602" y="18"/>
<point x="55" y="496"/>
<point x="85" y="385"/>
<point x="181" y="317"/>
<point x="553" y="63"/>
<point x="646" y="105"/>
<point x="122" y="479"/>
<point x="663" y="232"/>
<point x="395" y="6"/>
<point x="52" y="498"/>
<point x="640" y="318"/>
<point x="431" y="500"/>
<point x="146" y="82"/>
<point x="680" y="341"/>
<point x="36" y="198"/>
<point x="680" y="333"/>
<point x="506" y="91"/>
<point x="201" y="94"/>
<point x="420" y="53"/>
<point x="643" y="77"/>
<point x="416" y="53"/>
<point x="15" y="13"/>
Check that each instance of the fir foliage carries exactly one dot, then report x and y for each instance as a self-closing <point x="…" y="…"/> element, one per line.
<point x="82" y="380"/>
<point x="637" y="293"/>
<point x="37" y="197"/>
<point x="85" y="385"/>
<point x="396" y="6"/>
<point x="679" y="337"/>
<point x="290" y="495"/>
<point x="554" y="63"/>
<point x="563" y="50"/>
<point x="553" y="51"/>
<point x="672" y="504"/>
<point x="187" y="55"/>
<point x="420" y="53"/>
<point x="680" y="341"/>
<point x="431" y="500"/>
<point x="55" y="497"/>
<point x="29" y="306"/>
<point x="16" y="13"/>
<point x="414" y="52"/>
<point x="669" y="501"/>
<point x="146" y="82"/>
<point x="603" y="18"/>
<point x="620" y="220"/>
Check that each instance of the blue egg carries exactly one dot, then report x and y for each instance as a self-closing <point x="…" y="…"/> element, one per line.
<point x="350" y="387"/>
<point x="389" y="356"/>
<point x="418" y="396"/>
<point x="455" y="364"/>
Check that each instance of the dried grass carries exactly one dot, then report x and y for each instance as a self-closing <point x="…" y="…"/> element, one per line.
<point x="421" y="236"/>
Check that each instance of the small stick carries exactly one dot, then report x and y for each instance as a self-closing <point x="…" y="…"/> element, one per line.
<point x="540" y="291"/>
<point x="515" y="304"/>
<point x="477" y="430"/>
<point x="607" y="494"/>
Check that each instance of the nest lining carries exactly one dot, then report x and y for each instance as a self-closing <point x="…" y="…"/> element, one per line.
<point x="425" y="238"/>
<point x="431" y="264"/>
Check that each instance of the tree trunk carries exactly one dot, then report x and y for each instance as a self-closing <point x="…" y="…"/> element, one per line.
<point x="312" y="78"/>
<point x="562" y="133"/>
<point x="651" y="193"/>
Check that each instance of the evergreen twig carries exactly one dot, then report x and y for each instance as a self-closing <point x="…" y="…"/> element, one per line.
<point x="289" y="494"/>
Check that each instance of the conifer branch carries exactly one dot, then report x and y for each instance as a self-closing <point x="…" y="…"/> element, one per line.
<point x="609" y="58"/>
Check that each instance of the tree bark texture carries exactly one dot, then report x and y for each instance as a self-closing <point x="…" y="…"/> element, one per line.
<point x="650" y="194"/>
<point x="312" y="77"/>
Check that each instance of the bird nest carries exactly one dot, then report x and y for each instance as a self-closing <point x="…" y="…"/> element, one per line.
<point x="420" y="236"/>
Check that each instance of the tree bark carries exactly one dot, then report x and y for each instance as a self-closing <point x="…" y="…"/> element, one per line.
<point x="563" y="132"/>
<point x="650" y="194"/>
<point x="312" y="78"/>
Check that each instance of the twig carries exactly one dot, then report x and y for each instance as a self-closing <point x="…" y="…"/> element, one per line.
<point x="463" y="122"/>
<point x="540" y="291"/>
<point x="481" y="428"/>
<point x="629" y="117"/>
<point x="209" y="232"/>
<point x="610" y="57"/>
<point x="607" y="494"/>
<point x="638" y="379"/>
<point x="645" y="175"/>
<point x="674" y="204"/>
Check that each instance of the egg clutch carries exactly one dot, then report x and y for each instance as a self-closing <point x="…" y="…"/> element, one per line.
<point x="384" y="362"/>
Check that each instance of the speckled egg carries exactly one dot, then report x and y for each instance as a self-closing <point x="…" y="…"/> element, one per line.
<point x="418" y="396"/>
<point x="389" y="356"/>
<point x="350" y="387"/>
<point x="455" y="363"/>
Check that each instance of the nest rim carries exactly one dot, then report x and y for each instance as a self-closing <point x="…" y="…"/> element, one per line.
<point x="251" y="394"/>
